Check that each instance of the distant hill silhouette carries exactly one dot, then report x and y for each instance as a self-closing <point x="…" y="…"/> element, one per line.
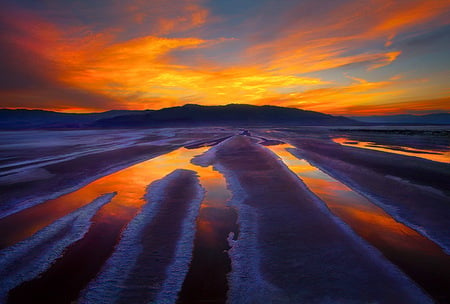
<point x="29" y="119"/>
<point x="233" y="114"/>
<point x="430" y="119"/>
<point x="187" y="115"/>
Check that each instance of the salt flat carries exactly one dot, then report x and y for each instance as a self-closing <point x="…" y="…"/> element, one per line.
<point x="237" y="202"/>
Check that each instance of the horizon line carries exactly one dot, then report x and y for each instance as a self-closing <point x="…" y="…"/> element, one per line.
<point x="83" y="112"/>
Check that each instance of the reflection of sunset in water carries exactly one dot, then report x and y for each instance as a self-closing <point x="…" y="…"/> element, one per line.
<point x="418" y="257"/>
<point x="365" y="218"/>
<point x="83" y="259"/>
<point x="207" y="275"/>
<point x="129" y="184"/>
<point x="434" y="155"/>
<point x="213" y="207"/>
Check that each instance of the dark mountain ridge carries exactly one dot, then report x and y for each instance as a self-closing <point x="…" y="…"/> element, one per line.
<point x="29" y="119"/>
<point x="187" y="115"/>
<point x="232" y="114"/>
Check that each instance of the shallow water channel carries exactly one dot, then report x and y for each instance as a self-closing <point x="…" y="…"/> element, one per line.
<point x="421" y="259"/>
<point x="206" y="279"/>
<point x="82" y="260"/>
<point x="434" y="155"/>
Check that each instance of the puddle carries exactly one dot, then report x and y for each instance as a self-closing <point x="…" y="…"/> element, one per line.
<point x="206" y="280"/>
<point x="130" y="185"/>
<point x="418" y="257"/>
<point x="434" y="155"/>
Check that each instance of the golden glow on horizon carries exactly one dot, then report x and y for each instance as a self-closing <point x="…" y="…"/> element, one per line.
<point x="139" y="72"/>
<point x="147" y="72"/>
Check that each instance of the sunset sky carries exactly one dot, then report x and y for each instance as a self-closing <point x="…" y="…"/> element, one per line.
<point x="346" y="57"/>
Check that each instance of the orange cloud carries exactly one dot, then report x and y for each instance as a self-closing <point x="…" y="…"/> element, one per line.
<point x="338" y="99"/>
<point x="398" y="16"/>
<point x="142" y="69"/>
<point x="314" y="44"/>
<point x="141" y="73"/>
<point x="162" y="17"/>
<point x="35" y="53"/>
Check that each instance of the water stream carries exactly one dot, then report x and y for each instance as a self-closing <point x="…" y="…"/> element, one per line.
<point x="417" y="256"/>
<point x="215" y="221"/>
<point x="434" y="155"/>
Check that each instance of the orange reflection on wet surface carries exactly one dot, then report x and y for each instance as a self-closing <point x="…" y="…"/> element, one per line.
<point x="213" y="206"/>
<point x="434" y="155"/>
<point x="363" y="216"/>
<point x="83" y="259"/>
<point x="206" y="280"/>
<point x="129" y="184"/>
<point x="213" y="210"/>
<point x="417" y="256"/>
